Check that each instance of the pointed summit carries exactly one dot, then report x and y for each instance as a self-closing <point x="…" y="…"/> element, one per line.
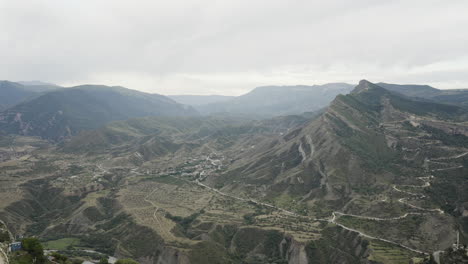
<point x="365" y="85"/>
<point x="364" y="82"/>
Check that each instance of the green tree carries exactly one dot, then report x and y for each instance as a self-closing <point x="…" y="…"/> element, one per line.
<point x="59" y="257"/>
<point x="34" y="248"/>
<point x="103" y="261"/>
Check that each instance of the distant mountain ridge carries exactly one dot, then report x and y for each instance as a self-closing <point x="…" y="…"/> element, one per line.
<point x="197" y="100"/>
<point x="345" y="139"/>
<point x="36" y="83"/>
<point x="269" y="101"/>
<point x="12" y="93"/>
<point x="59" y="114"/>
<point x="450" y="96"/>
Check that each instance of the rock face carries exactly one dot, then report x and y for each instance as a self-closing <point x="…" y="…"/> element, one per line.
<point x="254" y="245"/>
<point x="170" y="256"/>
<point x="296" y="253"/>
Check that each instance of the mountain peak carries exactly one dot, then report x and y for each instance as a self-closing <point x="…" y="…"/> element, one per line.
<point x="364" y="82"/>
<point x="365" y="86"/>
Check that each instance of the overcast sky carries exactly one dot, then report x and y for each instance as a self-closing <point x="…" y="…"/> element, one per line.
<point x="229" y="47"/>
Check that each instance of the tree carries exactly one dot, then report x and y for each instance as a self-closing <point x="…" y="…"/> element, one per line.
<point x="59" y="257"/>
<point x="34" y="248"/>
<point x="126" y="261"/>
<point x="103" y="261"/>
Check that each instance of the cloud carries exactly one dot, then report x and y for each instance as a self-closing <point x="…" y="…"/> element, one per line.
<point x="231" y="46"/>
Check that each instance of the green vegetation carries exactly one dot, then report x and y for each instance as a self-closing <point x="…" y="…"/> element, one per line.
<point x="335" y="240"/>
<point x="458" y="140"/>
<point x="21" y="257"/>
<point x="185" y="222"/>
<point x="62" y="244"/>
<point x="208" y="252"/>
<point x="103" y="261"/>
<point x="126" y="261"/>
<point x="62" y="259"/>
<point x="406" y="228"/>
<point x="372" y="148"/>
<point x="4" y="236"/>
<point x="35" y="250"/>
<point x="272" y="244"/>
<point x="443" y="111"/>
<point x="387" y="253"/>
<point x="167" y="179"/>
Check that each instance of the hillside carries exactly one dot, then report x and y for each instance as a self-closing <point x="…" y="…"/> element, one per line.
<point x="350" y="127"/>
<point x="271" y="101"/>
<point x="62" y="113"/>
<point x="450" y="96"/>
<point x="176" y="132"/>
<point x="349" y="159"/>
<point x="374" y="178"/>
<point x="12" y="93"/>
<point x="38" y="86"/>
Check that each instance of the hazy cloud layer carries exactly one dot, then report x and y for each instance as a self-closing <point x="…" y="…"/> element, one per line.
<point x="229" y="47"/>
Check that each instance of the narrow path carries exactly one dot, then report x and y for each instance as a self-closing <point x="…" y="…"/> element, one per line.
<point x="451" y="157"/>
<point x="450" y="168"/>
<point x="3" y="257"/>
<point x="333" y="218"/>
<point x="403" y="201"/>
<point x="330" y="220"/>
<point x="154" y="205"/>
<point x="378" y="218"/>
<point x="376" y="238"/>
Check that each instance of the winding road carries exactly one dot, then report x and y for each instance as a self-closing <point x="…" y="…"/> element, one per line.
<point x="336" y="214"/>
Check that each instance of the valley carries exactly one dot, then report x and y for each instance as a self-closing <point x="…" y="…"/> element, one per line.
<point x="371" y="179"/>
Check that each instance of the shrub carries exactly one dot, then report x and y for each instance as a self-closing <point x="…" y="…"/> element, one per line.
<point x="126" y="261"/>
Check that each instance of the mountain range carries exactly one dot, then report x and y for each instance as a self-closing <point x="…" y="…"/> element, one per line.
<point x="61" y="113"/>
<point x="450" y="96"/>
<point x="269" y="101"/>
<point x="370" y="174"/>
<point x="56" y="113"/>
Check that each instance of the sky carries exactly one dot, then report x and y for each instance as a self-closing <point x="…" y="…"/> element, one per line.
<point x="229" y="47"/>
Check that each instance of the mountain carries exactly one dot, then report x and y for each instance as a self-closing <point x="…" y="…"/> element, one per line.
<point x="218" y="131"/>
<point x="36" y="83"/>
<point x="39" y="87"/>
<point x="450" y="96"/>
<point x="12" y="93"/>
<point x="376" y="177"/>
<point x="359" y="155"/>
<point x="271" y="101"/>
<point x="197" y="100"/>
<point x="348" y="137"/>
<point x="62" y="113"/>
